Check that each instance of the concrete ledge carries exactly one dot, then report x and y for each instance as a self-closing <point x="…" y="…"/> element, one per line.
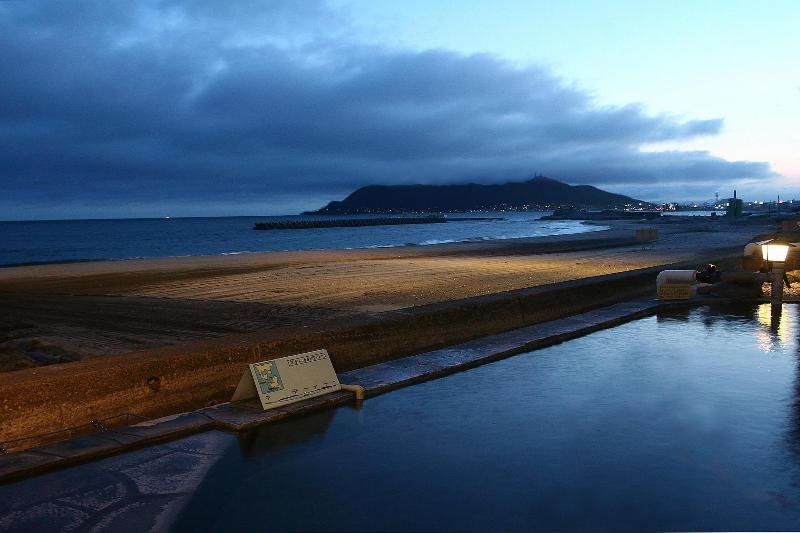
<point x="241" y="416"/>
<point x="24" y="464"/>
<point x="384" y="377"/>
<point x="18" y="465"/>
<point x="91" y="445"/>
<point x="376" y="379"/>
<point x="148" y="432"/>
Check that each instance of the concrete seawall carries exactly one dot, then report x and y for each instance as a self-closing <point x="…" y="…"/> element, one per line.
<point x="178" y="378"/>
<point x="347" y="222"/>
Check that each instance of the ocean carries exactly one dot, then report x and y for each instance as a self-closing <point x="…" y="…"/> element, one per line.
<point x="36" y="242"/>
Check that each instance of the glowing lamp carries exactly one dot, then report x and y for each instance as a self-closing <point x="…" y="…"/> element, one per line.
<point x="774" y="252"/>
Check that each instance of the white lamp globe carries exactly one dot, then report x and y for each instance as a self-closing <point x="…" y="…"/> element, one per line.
<point x="775" y="252"/>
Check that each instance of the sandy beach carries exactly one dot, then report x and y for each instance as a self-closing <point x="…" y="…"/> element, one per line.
<point x="61" y="312"/>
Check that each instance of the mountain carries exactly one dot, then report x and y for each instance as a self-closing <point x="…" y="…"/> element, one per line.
<point x="537" y="193"/>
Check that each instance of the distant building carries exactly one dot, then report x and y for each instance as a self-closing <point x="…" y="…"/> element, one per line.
<point x="735" y="206"/>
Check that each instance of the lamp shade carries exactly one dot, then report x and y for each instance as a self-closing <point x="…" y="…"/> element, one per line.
<point x="774" y="251"/>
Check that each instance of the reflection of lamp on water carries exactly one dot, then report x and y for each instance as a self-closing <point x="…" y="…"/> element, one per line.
<point x="778" y="328"/>
<point x="775" y="253"/>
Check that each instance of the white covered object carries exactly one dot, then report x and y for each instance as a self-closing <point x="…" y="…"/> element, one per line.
<point x="752" y="248"/>
<point x="686" y="277"/>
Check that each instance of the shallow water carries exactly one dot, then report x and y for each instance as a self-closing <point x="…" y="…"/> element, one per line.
<point x="689" y="420"/>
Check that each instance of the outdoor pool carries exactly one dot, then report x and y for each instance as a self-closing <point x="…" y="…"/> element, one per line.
<point x="688" y="420"/>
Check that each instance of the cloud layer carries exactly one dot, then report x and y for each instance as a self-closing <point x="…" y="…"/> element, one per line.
<point x="204" y="107"/>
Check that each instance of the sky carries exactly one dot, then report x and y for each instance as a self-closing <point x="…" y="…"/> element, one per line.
<point x="113" y="108"/>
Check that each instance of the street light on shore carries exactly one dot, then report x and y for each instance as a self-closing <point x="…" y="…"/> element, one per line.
<point x="775" y="252"/>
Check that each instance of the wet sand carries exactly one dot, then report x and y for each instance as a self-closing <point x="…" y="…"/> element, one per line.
<point x="54" y="313"/>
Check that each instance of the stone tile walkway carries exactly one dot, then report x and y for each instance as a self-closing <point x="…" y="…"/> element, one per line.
<point x="143" y="490"/>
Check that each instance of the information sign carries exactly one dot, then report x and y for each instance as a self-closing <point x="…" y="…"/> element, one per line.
<point x="286" y="380"/>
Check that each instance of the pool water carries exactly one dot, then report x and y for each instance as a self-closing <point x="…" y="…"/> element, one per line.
<point x="685" y="420"/>
<point x="688" y="420"/>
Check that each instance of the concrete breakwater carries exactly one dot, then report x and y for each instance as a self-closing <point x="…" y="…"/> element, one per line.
<point x="357" y="222"/>
<point x="347" y="222"/>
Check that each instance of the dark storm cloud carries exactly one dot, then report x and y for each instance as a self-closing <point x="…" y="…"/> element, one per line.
<point x="206" y="103"/>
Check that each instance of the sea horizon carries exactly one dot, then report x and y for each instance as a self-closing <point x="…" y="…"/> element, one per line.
<point x="36" y="242"/>
<point x="699" y="211"/>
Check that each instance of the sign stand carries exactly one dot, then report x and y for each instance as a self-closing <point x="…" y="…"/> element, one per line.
<point x="285" y="380"/>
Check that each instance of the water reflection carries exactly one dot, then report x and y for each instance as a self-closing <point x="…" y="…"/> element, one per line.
<point x="775" y="331"/>
<point x="718" y="313"/>
<point x="273" y="438"/>
<point x="777" y="328"/>
<point x="781" y="322"/>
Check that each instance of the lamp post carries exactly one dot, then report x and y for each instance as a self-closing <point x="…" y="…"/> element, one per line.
<point x="774" y="252"/>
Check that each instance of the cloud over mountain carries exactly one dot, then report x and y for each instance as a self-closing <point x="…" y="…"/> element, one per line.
<point x="217" y="106"/>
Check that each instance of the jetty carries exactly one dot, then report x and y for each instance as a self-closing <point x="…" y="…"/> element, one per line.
<point x="347" y="222"/>
<point x="357" y="222"/>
